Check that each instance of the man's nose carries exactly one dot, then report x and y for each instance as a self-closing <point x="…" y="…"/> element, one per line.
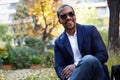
<point x="68" y="17"/>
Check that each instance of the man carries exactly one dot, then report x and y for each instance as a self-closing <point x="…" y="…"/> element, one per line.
<point x="79" y="52"/>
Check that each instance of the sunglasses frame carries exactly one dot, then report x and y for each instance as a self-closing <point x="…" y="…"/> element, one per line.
<point x="64" y="16"/>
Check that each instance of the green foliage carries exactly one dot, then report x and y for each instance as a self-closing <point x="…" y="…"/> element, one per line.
<point x="35" y="43"/>
<point x="5" y="34"/>
<point x="114" y="58"/>
<point x="48" y="58"/>
<point x="1" y="63"/>
<point x="3" y="30"/>
<point x="104" y="34"/>
<point x="21" y="11"/>
<point x="87" y="15"/>
<point x="35" y="59"/>
<point x="45" y="59"/>
<point x="7" y="57"/>
<point x="2" y="51"/>
<point x="21" y="57"/>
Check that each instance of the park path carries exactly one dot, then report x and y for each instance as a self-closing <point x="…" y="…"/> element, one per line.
<point x="18" y="74"/>
<point x="43" y="74"/>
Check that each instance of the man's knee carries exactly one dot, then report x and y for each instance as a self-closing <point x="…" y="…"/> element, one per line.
<point x="90" y="61"/>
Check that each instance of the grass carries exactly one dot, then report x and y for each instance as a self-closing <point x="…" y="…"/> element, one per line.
<point x="114" y="59"/>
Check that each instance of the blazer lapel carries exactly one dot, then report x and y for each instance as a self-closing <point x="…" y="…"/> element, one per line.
<point x="80" y="34"/>
<point x="67" y="44"/>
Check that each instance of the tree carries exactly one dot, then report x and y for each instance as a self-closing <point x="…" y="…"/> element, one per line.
<point x="114" y="40"/>
<point x="5" y="32"/>
<point x="21" y="11"/>
<point x="44" y="13"/>
<point x="21" y="21"/>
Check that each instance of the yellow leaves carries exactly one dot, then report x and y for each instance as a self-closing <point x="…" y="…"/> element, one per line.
<point x="44" y="7"/>
<point x="35" y="10"/>
<point x="36" y="5"/>
<point x="45" y="13"/>
<point x="39" y="19"/>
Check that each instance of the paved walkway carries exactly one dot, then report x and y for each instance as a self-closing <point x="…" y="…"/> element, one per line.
<point x="42" y="74"/>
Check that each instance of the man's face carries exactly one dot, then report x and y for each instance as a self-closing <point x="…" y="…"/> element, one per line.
<point x="67" y="18"/>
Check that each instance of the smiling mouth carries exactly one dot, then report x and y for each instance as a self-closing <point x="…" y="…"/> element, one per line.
<point x="68" y="22"/>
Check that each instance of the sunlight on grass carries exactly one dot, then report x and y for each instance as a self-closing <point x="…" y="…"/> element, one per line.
<point x="114" y="59"/>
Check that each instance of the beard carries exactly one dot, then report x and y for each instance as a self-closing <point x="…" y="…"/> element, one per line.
<point x="70" y="28"/>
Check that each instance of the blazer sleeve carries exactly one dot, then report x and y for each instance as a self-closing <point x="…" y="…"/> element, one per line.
<point x="58" y="60"/>
<point x="98" y="46"/>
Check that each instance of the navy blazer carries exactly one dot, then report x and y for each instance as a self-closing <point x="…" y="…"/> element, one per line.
<point x="89" y="42"/>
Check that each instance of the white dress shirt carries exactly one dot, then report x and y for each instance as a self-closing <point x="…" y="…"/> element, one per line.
<point x="74" y="46"/>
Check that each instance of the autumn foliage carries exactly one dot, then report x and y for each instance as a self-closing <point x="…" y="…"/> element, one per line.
<point x="44" y="13"/>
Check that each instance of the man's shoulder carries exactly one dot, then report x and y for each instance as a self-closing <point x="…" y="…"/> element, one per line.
<point x="60" y="38"/>
<point x="85" y="26"/>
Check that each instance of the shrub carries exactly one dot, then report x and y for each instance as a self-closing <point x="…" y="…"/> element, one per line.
<point x="21" y="57"/>
<point x="48" y="58"/>
<point x="35" y="43"/>
<point x="35" y="59"/>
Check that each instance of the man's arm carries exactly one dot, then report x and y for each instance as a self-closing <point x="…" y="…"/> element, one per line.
<point x="98" y="46"/>
<point x="58" y="61"/>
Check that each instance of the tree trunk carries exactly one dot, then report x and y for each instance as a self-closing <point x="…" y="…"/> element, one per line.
<point x="114" y="7"/>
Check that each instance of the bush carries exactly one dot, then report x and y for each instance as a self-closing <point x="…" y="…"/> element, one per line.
<point x="35" y="43"/>
<point x="35" y="59"/>
<point x="2" y="51"/>
<point x="7" y="57"/>
<point x="21" y="57"/>
<point x="48" y="58"/>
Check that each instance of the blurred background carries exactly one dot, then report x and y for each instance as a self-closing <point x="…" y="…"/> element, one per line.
<point x="28" y="29"/>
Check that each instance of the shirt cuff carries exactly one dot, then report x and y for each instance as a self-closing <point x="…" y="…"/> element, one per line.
<point x="76" y="63"/>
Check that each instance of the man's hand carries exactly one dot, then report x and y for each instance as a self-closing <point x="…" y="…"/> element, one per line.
<point x="68" y="70"/>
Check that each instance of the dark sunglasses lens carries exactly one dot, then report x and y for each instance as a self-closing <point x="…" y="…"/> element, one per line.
<point x="71" y="14"/>
<point x="63" y="16"/>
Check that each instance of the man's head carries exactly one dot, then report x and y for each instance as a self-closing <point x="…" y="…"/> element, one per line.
<point x="66" y="16"/>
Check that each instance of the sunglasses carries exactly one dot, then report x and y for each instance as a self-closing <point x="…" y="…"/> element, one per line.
<point x="64" y="16"/>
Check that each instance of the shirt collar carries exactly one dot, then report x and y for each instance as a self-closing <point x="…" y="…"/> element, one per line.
<point x="72" y="35"/>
